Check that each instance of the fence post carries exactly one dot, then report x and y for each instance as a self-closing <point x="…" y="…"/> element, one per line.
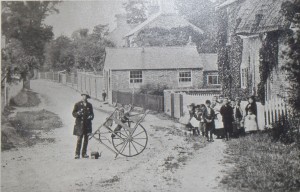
<point x="181" y="104"/>
<point x="96" y="87"/>
<point x="172" y="105"/>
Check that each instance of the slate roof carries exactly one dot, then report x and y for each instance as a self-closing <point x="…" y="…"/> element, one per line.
<point x="164" y="20"/>
<point x="156" y="58"/>
<point x="257" y="16"/>
<point x="210" y="61"/>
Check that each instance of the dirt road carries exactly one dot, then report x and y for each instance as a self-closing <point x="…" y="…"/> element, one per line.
<point x="169" y="163"/>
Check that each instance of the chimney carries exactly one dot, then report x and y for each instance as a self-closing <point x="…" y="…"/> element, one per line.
<point x="167" y="6"/>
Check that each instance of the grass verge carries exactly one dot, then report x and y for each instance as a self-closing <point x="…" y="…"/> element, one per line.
<point x="262" y="165"/>
<point x="26" y="98"/>
<point x="26" y="127"/>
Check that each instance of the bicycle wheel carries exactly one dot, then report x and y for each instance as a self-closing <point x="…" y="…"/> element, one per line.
<point x="130" y="145"/>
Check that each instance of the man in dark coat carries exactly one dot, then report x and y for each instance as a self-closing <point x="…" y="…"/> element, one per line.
<point x="83" y="112"/>
<point x="227" y="113"/>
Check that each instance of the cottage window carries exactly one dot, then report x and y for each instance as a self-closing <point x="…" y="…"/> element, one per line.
<point x="136" y="77"/>
<point x="244" y="77"/>
<point x="213" y="80"/>
<point x="185" y="78"/>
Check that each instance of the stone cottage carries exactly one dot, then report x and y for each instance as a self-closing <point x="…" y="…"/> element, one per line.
<point x="251" y="34"/>
<point x="126" y="69"/>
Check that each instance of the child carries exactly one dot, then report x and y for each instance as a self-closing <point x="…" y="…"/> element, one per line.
<point x="201" y="124"/>
<point x="122" y="115"/>
<point x="209" y="116"/>
<point x="198" y="116"/>
<point x="250" y="122"/>
<point x="191" y="109"/>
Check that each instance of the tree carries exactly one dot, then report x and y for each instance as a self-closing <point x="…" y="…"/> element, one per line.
<point x="89" y="49"/>
<point x="291" y="54"/>
<point x="22" y="21"/>
<point x="59" y="54"/>
<point x="135" y="11"/>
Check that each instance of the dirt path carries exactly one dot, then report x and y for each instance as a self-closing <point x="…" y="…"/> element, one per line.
<point x="168" y="164"/>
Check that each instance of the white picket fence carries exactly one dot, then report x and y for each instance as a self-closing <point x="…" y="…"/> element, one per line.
<point x="274" y="110"/>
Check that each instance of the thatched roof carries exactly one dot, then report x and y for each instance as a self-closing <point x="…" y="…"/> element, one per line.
<point x="146" y="58"/>
<point x="258" y="16"/>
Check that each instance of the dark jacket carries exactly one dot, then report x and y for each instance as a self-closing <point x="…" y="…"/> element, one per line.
<point x="209" y="117"/>
<point x="227" y="113"/>
<point x="253" y="108"/>
<point x="84" y="116"/>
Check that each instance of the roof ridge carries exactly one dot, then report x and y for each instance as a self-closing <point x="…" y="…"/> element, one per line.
<point x="151" y="47"/>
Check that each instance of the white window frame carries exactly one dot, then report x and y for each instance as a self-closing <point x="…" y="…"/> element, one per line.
<point x="244" y="77"/>
<point x="131" y="84"/>
<point x="212" y="75"/>
<point x="185" y="83"/>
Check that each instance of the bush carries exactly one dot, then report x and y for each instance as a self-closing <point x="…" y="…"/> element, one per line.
<point x="262" y="165"/>
<point x="285" y="130"/>
<point x="153" y="89"/>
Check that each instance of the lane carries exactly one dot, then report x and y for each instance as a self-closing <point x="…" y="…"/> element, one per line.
<point x="51" y="167"/>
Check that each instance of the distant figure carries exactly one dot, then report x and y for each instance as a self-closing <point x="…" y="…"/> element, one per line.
<point x="209" y="116"/>
<point x="227" y="115"/>
<point x="83" y="112"/>
<point x="103" y="95"/>
<point x="250" y="122"/>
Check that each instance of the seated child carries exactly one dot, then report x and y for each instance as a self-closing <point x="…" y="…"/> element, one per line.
<point x="250" y="122"/>
<point x="122" y="115"/>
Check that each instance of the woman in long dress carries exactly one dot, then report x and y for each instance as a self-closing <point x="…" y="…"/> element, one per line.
<point x="250" y="122"/>
<point x="219" y="127"/>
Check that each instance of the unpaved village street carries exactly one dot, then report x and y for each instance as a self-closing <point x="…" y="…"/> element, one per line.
<point x="169" y="163"/>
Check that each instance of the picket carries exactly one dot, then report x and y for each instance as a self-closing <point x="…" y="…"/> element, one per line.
<point x="275" y="110"/>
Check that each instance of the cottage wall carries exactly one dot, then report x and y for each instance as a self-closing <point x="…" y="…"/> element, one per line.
<point x="277" y="83"/>
<point x="120" y="79"/>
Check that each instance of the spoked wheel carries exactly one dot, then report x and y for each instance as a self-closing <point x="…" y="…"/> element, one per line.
<point x="130" y="145"/>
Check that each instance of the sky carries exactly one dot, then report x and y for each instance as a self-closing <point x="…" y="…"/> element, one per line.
<point x="74" y="15"/>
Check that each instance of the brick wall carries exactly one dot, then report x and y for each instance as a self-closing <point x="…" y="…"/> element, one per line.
<point x="120" y="79"/>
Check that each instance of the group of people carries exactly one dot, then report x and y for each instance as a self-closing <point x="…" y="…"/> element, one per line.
<point x="224" y="118"/>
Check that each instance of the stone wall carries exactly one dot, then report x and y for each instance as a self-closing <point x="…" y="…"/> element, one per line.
<point x="120" y="79"/>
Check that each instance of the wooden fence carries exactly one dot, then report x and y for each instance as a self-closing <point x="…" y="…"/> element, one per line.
<point x="274" y="110"/>
<point x="81" y="81"/>
<point x="152" y="102"/>
<point x="175" y="102"/>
